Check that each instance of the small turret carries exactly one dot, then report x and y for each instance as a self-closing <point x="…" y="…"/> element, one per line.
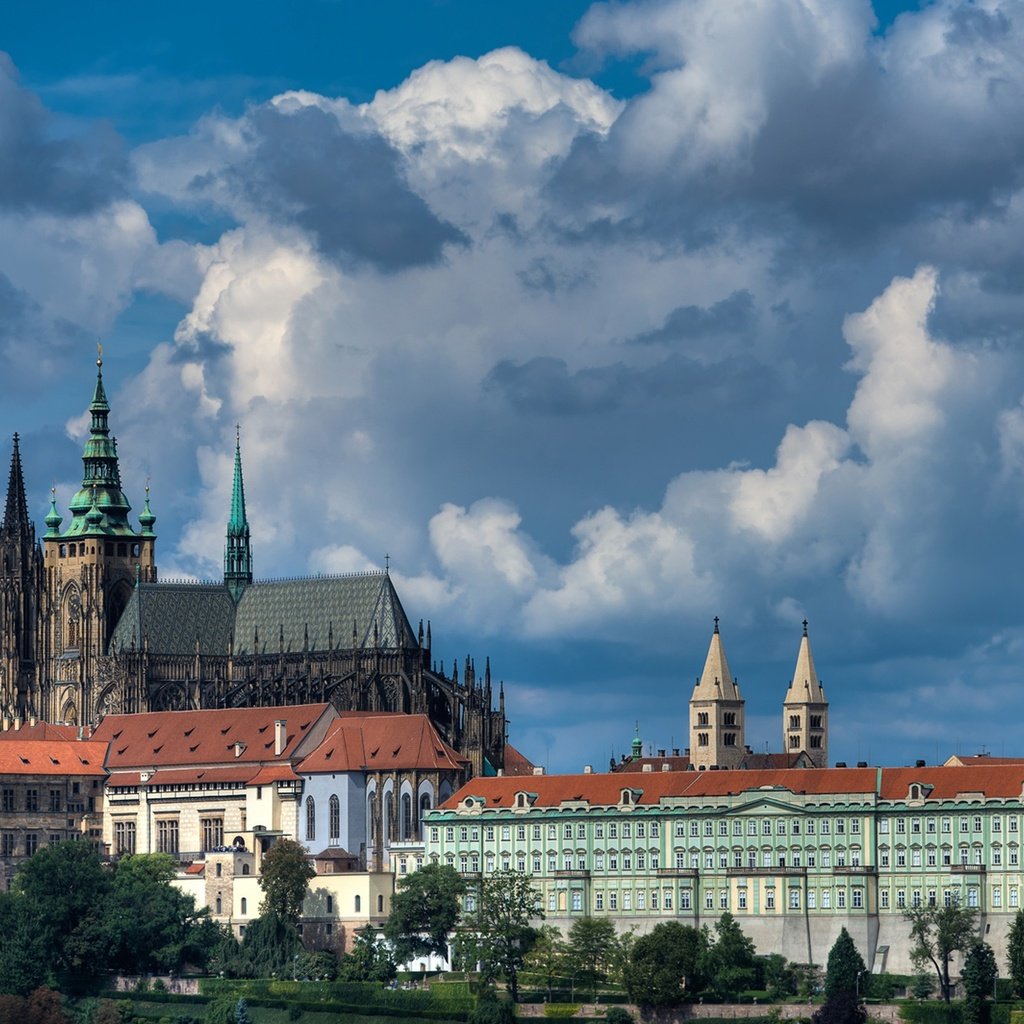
<point x="146" y="517"/>
<point x="638" y="746"/>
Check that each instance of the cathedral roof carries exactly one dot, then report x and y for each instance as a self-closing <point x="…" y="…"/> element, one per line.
<point x="319" y="606"/>
<point x="170" y="616"/>
<point x="381" y="743"/>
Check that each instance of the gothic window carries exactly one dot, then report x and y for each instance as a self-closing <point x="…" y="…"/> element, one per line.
<point x="406" y="816"/>
<point x="702" y="718"/>
<point x="310" y="818"/>
<point x="816" y="742"/>
<point x="702" y="739"/>
<point x="729" y="718"/>
<point x="334" y="818"/>
<point x="729" y="739"/>
<point x="74" y="619"/>
<point x="815" y="721"/>
<point x="794" y="721"/>
<point x="425" y="806"/>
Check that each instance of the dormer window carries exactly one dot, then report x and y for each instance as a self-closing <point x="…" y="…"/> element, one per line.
<point x="627" y="797"/>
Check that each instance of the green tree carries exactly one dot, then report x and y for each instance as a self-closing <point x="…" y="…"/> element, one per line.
<point x="664" y="963"/>
<point x="270" y="947"/>
<point x="729" y="962"/>
<point x="1015" y="954"/>
<point x="845" y="966"/>
<point x="25" y="962"/>
<point x="937" y="933"/>
<point x="492" y="1010"/>
<point x="501" y="925"/>
<point x="424" y="911"/>
<point x="369" y="959"/>
<point x="780" y="978"/>
<point x="590" y="948"/>
<point x="60" y="897"/>
<point x="171" y="930"/>
<point x="923" y="985"/>
<point x="319" y="966"/>
<point x="842" y="1008"/>
<point x="546" y="958"/>
<point x="284" y="878"/>
<point x="979" y="978"/>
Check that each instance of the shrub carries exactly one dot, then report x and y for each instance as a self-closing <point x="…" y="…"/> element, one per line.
<point x="617" y="1015"/>
<point x="932" y="1013"/>
<point x="561" y="1011"/>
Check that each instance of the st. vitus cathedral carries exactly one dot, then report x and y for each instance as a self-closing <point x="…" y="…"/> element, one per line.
<point x="86" y="628"/>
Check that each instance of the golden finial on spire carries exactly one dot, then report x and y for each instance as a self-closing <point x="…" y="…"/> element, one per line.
<point x="99" y="354"/>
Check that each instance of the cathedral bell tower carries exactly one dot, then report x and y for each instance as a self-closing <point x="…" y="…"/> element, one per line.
<point x="90" y="569"/>
<point x="716" y="713"/>
<point x="805" y="709"/>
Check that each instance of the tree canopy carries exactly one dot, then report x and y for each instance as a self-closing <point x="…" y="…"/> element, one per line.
<point x="937" y="933"/>
<point x="284" y="878"/>
<point x="1015" y="954"/>
<point x="979" y="978"/>
<point x="665" y="963"/>
<point x="424" y="911"/>
<point x="499" y="930"/>
<point x="730" y="964"/>
<point x="590" y="949"/>
<point x="845" y="966"/>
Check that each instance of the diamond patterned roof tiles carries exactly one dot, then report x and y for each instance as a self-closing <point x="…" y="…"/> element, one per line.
<point x="170" y="616"/>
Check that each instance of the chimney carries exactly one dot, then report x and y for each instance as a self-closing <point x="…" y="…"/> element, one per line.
<point x="6" y="723"/>
<point x="675" y="751"/>
<point x="538" y="770"/>
<point x="17" y="722"/>
<point x="588" y="769"/>
<point x="919" y="763"/>
<point x="500" y="772"/>
<point x="280" y="737"/>
<point x="864" y="764"/>
<point x="32" y="720"/>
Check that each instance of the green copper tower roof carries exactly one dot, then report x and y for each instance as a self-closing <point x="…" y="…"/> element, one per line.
<point x="99" y="506"/>
<point x="238" y="550"/>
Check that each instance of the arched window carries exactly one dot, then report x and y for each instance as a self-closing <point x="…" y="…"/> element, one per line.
<point x="385" y="833"/>
<point x="424" y="807"/>
<point x="406" y="816"/>
<point x="334" y="818"/>
<point x="218" y="905"/>
<point x="330" y="904"/>
<point x="359" y="904"/>
<point x="245" y="905"/>
<point x="380" y="903"/>
<point x="310" y="818"/>
<point x="245" y="869"/>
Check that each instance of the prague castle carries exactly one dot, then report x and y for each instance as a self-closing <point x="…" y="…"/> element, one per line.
<point x="87" y="629"/>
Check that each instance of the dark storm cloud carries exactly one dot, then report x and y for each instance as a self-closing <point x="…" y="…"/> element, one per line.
<point x="545" y="385"/>
<point x="41" y="170"/>
<point x="731" y="315"/>
<point x="345" y="189"/>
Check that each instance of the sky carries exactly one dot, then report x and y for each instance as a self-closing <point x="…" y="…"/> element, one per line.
<point x="596" y="321"/>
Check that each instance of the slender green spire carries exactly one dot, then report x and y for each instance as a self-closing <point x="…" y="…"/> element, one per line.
<point x="238" y="551"/>
<point x="101" y="475"/>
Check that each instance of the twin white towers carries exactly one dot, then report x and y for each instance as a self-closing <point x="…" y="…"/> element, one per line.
<point x="717" y="713"/>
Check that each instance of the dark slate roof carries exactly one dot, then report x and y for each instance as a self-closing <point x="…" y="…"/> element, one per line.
<point x="319" y="604"/>
<point x="171" y="615"/>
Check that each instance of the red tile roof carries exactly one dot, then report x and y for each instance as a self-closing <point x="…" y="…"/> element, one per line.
<point x="52" y="757"/>
<point x="206" y="737"/>
<point x="939" y="782"/>
<point x="994" y="781"/>
<point x="43" y="731"/>
<point x="516" y="763"/>
<point x="381" y="742"/>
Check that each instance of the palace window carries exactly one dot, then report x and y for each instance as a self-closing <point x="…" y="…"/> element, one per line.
<point x="685" y="900"/>
<point x="167" y="835"/>
<point x="8" y="799"/>
<point x="31" y="799"/>
<point x="997" y="897"/>
<point x="668" y="899"/>
<point x="884" y="898"/>
<point x="972" y="896"/>
<point x="213" y="832"/>
<point x="311" y="818"/>
<point x="769" y="899"/>
<point x="599" y="901"/>
<point x="535" y="832"/>
<point x="858" y="898"/>
<point x="1013" y="896"/>
<point x="826" y="899"/>
<point x="840" y="899"/>
<point x="709" y="900"/>
<point x="794" y="899"/>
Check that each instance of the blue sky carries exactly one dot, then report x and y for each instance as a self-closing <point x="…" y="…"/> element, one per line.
<point x="600" y="320"/>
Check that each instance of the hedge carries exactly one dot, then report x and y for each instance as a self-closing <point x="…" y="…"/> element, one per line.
<point x="561" y="1011"/>
<point x="932" y="1013"/>
<point x="357" y="993"/>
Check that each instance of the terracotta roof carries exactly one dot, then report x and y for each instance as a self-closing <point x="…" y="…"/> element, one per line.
<point x="43" y="731"/>
<point x="940" y="782"/>
<point x="998" y="780"/>
<point x="272" y="773"/>
<point x="516" y="763"/>
<point x="179" y="776"/>
<point x="52" y="757"/>
<point x="206" y="737"/>
<point x="551" y="790"/>
<point x="681" y="763"/>
<point x="971" y="760"/>
<point x="381" y="742"/>
<point x="196" y="868"/>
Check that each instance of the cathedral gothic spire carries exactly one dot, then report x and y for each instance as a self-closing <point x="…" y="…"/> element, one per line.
<point x="238" y="551"/>
<point x="16" y="521"/>
<point x="716" y="712"/>
<point x="805" y="709"/>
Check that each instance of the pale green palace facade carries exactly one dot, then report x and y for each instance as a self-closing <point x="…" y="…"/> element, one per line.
<point x="793" y="854"/>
